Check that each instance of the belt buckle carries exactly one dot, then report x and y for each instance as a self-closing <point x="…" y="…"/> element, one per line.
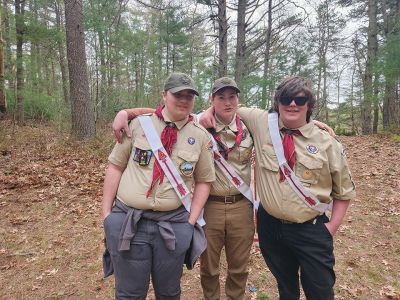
<point x="229" y="201"/>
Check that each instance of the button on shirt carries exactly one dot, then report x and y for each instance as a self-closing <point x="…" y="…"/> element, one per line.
<point x="320" y="165"/>
<point x="238" y="158"/>
<point x="192" y="149"/>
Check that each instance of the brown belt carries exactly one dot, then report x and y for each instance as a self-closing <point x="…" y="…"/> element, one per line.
<point x="226" y="199"/>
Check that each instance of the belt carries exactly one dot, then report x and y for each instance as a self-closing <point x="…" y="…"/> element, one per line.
<point x="226" y="199"/>
<point x="313" y="220"/>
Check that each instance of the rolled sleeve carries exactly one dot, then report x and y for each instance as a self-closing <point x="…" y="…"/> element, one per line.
<point x="343" y="187"/>
<point x="121" y="152"/>
<point x="205" y="170"/>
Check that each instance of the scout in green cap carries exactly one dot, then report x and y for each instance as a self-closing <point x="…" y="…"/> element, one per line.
<point x="148" y="230"/>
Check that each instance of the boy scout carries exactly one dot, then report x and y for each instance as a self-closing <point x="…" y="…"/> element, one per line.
<point x="295" y="236"/>
<point x="148" y="231"/>
<point x="228" y="214"/>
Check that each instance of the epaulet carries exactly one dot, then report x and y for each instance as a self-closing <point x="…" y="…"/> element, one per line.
<point x="197" y="124"/>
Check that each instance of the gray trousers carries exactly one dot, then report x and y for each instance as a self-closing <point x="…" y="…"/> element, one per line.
<point x="147" y="256"/>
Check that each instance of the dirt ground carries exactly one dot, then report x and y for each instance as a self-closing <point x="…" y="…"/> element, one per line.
<point x="51" y="233"/>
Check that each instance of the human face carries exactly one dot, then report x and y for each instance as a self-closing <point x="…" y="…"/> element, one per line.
<point x="178" y="105"/>
<point x="225" y="104"/>
<point x="292" y="115"/>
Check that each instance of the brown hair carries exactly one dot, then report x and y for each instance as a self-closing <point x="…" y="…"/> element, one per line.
<point x="290" y="87"/>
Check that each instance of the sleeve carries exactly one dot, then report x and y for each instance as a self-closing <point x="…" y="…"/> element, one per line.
<point x="121" y="152"/>
<point x="250" y="116"/>
<point x="205" y="170"/>
<point x="343" y="187"/>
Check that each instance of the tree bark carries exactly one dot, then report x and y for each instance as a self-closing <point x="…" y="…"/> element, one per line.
<point x="368" y="75"/>
<point x="19" y="28"/>
<point x="61" y="52"/>
<point x="3" y="103"/>
<point x="267" y="52"/>
<point x="222" y="39"/>
<point x="82" y="111"/>
<point x="240" y="43"/>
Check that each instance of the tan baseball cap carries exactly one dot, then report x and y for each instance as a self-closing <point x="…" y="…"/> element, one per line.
<point x="177" y="82"/>
<point x="224" y="82"/>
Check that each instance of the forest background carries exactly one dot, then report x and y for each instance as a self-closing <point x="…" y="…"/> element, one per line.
<point x="77" y="63"/>
<point x="66" y="68"/>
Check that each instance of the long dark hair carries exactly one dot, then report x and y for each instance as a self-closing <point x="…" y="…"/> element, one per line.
<point x="290" y="87"/>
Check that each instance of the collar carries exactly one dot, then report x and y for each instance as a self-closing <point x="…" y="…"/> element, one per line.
<point x="305" y="130"/>
<point x="179" y="124"/>
<point x="232" y="125"/>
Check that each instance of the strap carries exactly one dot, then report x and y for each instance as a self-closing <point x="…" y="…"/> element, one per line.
<point x="309" y="199"/>
<point x="232" y="176"/>
<point x="167" y="165"/>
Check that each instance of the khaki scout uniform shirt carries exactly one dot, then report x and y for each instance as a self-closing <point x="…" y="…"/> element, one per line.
<point x="320" y="165"/>
<point x="193" y="147"/>
<point x="238" y="158"/>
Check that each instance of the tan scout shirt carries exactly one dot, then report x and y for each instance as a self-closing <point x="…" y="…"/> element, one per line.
<point x="238" y="158"/>
<point x="320" y="165"/>
<point x="192" y="147"/>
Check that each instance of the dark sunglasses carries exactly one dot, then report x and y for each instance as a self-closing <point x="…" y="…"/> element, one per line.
<point x="300" y="101"/>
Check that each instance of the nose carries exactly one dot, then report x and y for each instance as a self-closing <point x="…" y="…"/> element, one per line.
<point x="292" y="103"/>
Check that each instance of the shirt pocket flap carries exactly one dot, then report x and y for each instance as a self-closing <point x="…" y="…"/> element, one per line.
<point x="141" y="144"/>
<point x="268" y="158"/>
<point x="188" y="156"/>
<point x="246" y="143"/>
<point x="310" y="163"/>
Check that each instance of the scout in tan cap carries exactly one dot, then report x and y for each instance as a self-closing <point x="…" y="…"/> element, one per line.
<point x="148" y="230"/>
<point x="295" y="238"/>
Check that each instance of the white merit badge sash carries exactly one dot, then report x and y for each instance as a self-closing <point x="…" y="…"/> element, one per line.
<point x="309" y="199"/>
<point x="167" y="165"/>
<point x="232" y="176"/>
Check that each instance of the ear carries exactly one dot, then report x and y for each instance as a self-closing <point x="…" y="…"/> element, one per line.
<point x="164" y="95"/>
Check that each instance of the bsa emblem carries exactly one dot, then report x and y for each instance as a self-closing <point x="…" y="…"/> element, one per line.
<point x="312" y="149"/>
<point x="225" y="81"/>
<point x="185" y="80"/>
<point x="186" y="168"/>
<point x="191" y="140"/>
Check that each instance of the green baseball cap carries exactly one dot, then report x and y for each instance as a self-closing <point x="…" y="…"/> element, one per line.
<point x="177" y="82"/>
<point x="224" y="82"/>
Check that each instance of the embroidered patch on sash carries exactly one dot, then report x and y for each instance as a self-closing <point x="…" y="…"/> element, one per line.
<point x="312" y="149"/>
<point x="191" y="140"/>
<point x="186" y="168"/>
<point x="143" y="157"/>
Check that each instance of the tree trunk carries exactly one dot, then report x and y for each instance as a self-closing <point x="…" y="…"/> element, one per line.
<point x="222" y="39"/>
<point x="371" y="58"/>
<point x="61" y="52"/>
<point x="19" y="28"/>
<point x="266" y="57"/>
<point x="83" y="123"/>
<point x="240" y="43"/>
<point x="3" y="103"/>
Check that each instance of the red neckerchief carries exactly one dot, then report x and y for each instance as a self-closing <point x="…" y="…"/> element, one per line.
<point x="224" y="150"/>
<point x="288" y="148"/>
<point x="169" y="136"/>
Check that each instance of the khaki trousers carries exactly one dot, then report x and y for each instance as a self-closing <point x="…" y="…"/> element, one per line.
<point x="232" y="226"/>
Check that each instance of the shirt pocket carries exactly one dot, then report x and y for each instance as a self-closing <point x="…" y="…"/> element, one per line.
<point x="186" y="162"/>
<point x="268" y="159"/>
<point x="308" y="169"/>
<point x="245" y="150"/>
<point x="142" y="153"/>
